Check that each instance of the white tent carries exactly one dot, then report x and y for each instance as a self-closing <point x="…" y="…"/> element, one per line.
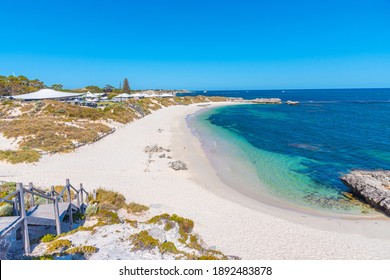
<point x="90" y="95"/>
<point x="47" y="94"/>
<point x="167" y="95"/>
<point x="138" y="95"/>
<point x="123" y="95"/>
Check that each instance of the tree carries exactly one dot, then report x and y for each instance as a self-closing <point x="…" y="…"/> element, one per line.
<point x="57" y="87"/>
<point x="126" y="86"/>
<point x="108" y="88"/>
<point x="13" y="85"/>
<point x="93" y="89"/>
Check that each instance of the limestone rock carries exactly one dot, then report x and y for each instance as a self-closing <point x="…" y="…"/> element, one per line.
<point x="177" y="165"/>
<point x="289" y="102"/>
<point x="372" y="186"/>
<point x="151" y="149"/>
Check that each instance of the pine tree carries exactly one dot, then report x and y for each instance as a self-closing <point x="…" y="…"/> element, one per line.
<point x="126" y="87"/>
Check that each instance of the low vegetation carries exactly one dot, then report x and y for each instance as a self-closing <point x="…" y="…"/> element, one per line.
<point x="136" y="208"/>
<point x="58" y="245"/>
<point x="48" y="238"/>
<point x="181" y="243"/>
<point x="82" y="250"/>
<point x="143" y="241"/>
<point x="52" y="126"/>
<point x="6" y="210"/>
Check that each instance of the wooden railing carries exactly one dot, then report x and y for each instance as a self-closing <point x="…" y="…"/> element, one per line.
<point x="17" y="199"/>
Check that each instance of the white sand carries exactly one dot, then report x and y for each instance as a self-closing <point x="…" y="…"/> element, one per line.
<point x="234" y="224"/>
<point x="7" y="144"/>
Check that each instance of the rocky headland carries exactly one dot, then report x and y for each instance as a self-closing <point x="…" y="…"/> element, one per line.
<point x="372" y="186"/>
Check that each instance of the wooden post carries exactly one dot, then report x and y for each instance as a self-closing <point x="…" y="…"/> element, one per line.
<point x="94" y="194"/>
<point x="23" y="215"/>
<point x="16" y="213"/>
<point x="52" y="191"/>
<point x="15" y="205"/>
<point x="30" y="187"/>
<point x="70" y="213"/>
<point x="48" y="194"/>
<point x="82" y="197"/>
<point x="57" y="217"/>
<point x="78" y="199"/>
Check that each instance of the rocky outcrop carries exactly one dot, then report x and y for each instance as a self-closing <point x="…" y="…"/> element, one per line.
<point x="266" y="101"/>
<point x="177" y="165"/>
<point x="289" y="102"/>
<point x="372" y="186"/>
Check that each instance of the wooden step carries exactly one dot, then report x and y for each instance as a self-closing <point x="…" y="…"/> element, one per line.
<point x="7" y="223"/>
<point x="44" y="214"/>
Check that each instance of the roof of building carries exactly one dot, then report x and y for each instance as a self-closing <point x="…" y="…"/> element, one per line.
<point x="47" y="94"/>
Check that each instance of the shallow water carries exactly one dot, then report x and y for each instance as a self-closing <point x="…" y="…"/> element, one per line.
<point x="299" y="152"/>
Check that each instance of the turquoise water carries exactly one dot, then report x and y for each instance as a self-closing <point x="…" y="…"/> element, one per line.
<point x="299" y="152"/>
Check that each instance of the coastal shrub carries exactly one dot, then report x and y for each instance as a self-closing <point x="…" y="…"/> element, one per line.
<point x="6" y="210"/>
<point x="43" y="258"/>
<point x="48" y="238"/>
<point x="143" y="241"/>
<point x="194" y="243"/>
<point x="91" y="209"/>
<point x="159" y="218"/>
<point x="59" y="244"/>
<point x="168" y="226"/>
<point x="186" y="224"/>
<point x="106" y="217"/>
<point x="82" y="250"/>
<point x="136" y="208"/>
<point x="132" y="223"/>
<point x="5" y="189"/>
<point x="208" y="258"/>
<point x="115" y="199"/>
<point x="168" y="247"/>
<point x="183" y="234"/>
<point x="24" y="154"/>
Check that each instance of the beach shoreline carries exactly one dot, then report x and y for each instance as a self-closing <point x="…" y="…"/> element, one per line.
<point x="229" y="221"/>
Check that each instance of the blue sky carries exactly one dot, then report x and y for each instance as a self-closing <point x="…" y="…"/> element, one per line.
<point x="244" y="44"/>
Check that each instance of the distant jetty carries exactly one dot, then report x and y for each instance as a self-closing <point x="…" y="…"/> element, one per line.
<point x="372" y="186"/>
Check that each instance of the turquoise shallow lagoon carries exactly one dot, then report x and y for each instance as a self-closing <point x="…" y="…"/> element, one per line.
<point x="296" y="154"/>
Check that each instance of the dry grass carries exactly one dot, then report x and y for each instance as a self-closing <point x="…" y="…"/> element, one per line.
<point x="107" y="197"/>
<point x="136" y="208"/>
<point x="53" y="126"/>
<point x="22" y="155"/>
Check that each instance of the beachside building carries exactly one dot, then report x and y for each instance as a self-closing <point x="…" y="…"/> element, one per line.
<point x="48" y="94"/>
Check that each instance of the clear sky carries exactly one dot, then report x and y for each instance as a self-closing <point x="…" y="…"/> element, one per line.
<point x="198" y="44"/>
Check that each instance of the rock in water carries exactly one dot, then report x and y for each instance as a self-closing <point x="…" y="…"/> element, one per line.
<point x="372" y="186"/>
<point x="177" y="165"/>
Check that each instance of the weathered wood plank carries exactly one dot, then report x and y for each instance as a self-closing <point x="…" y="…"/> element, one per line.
<point x="7" y="223"/>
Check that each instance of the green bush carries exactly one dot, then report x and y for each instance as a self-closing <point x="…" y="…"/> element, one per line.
<point x="143" y="241"/>
<point x="92" y="209"/>
<point x="6" y="210"/>
<point x="48" y="238"/>
<point x="58" y="244"/>
<point x="168" y="247"/>
<point x="82" y="250"/>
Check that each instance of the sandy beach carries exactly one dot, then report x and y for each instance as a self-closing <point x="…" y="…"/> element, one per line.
<point x="235" y="224"/>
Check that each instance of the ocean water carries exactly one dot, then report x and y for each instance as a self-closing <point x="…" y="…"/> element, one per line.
<point x="296" y="154"/>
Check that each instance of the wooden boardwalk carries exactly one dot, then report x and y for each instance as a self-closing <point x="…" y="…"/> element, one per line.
<point x="50" y="214"/>
<point x="8" y="223"/>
